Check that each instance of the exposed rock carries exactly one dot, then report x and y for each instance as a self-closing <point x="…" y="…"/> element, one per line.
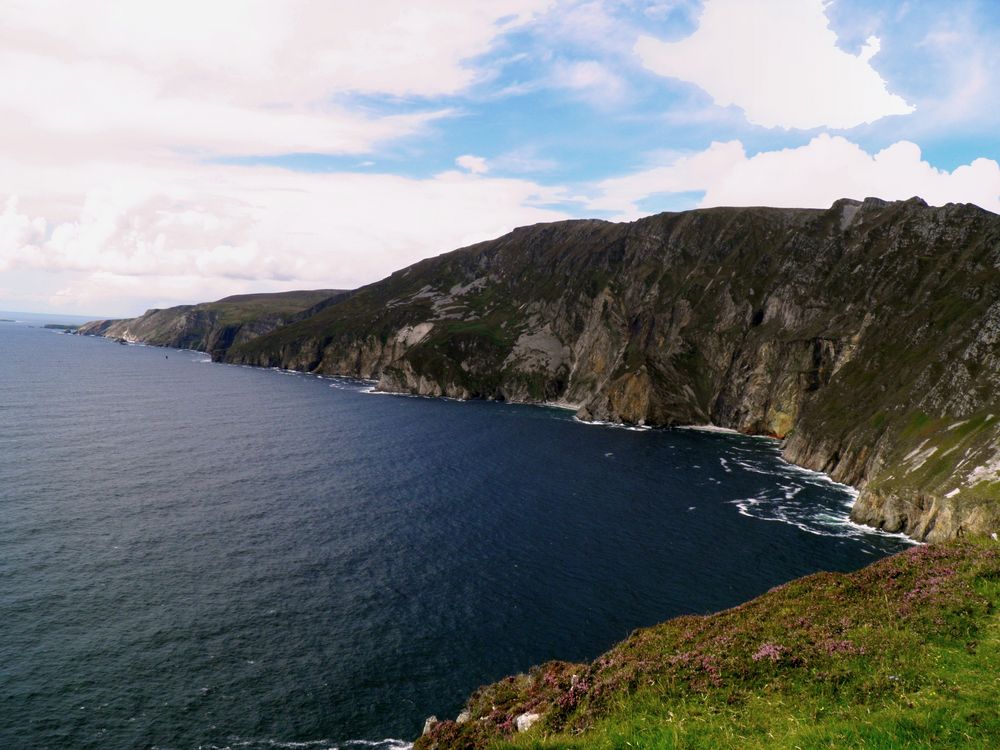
<point x="524" y="722"/>
<point x="429" y="724"/>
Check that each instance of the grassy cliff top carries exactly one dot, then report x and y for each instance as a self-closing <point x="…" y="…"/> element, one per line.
<point x="904" y="653"/>
<point x="241" y="307"/>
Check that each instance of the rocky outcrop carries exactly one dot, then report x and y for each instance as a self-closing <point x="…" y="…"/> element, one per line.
<point x="866" y="335"/>
<point x="526" y="721"/>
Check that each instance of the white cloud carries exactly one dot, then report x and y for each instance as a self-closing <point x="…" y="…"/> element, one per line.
<point x="112" y="113"/>
<point x="474" y="164"/>
<point x="687" y="173"/>
<point x="298" y="50"/>
<point x="814" y="175"/>
<point x="779" y="62"/>
<point x="220" y="226"/>
<point x="233" y="77"/>
<point x="111" y="110"/>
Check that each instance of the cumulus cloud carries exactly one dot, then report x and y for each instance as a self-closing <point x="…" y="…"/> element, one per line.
<point x="814" y="175"/>
<point x="779" y="62"/>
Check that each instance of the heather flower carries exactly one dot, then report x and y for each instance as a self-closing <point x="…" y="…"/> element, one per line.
<point x="772" y="651"/>
<point x="835" y="646"/>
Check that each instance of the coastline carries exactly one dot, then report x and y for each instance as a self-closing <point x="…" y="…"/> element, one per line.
<point x="374" y="389"/>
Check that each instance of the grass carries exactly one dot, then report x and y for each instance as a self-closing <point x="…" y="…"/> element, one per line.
<point x="243" y="307"/>
<point x="902" y="654"/>
<point x="964" y="443"/>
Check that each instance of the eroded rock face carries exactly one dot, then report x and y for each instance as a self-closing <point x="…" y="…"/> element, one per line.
<point x="854" y="333"/>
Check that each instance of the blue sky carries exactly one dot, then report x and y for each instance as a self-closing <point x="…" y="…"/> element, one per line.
<point x="159" y="153"/>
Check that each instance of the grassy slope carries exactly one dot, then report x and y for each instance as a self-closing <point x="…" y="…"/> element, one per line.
<point x="243" y="307"/>
<point x="904" y="653"/>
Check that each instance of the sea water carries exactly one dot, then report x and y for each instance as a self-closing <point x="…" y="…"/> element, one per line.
<point x="196" y="555"/>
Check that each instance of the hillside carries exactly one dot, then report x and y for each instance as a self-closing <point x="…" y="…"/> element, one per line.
<point x="902" y="654"/>
<point x="866" y="335"/>
<point x="214" y="326"/>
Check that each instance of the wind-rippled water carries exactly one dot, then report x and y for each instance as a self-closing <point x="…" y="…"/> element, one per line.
<point x="196" y="555"/>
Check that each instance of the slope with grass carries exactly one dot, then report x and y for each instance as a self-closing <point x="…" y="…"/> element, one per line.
<point x="904" y="653"/>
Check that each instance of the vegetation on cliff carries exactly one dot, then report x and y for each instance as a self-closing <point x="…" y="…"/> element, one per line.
<point x="904" y="653"/>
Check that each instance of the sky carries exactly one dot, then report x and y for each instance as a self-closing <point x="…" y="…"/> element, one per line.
<point x="161" y="153"/>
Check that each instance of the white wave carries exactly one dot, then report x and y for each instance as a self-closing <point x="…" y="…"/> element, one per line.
<point x="756" y="469"/>
<point x="720" y="430"/>
<point x="707" y="428"/>
<point x="371" y="391"/>
<point x="783" y="504"/>
<point x="760" y="509"/>
<point x="821" y="521"/>
<point x="616" y="425"/>
<point x="562" y="405"/>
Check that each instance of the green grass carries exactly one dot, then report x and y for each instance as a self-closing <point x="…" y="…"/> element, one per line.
<point x="902" y="654"/>
<point x="970" y="440"/>
<point x="243" y="307"/>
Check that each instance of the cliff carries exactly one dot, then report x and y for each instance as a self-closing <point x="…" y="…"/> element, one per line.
<point x="866" y="335"/>
<point x="903" y="653"/>
<point x="214" y="326"/>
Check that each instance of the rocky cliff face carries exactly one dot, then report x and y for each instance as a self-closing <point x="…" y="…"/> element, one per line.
<point x="215" y="326"/>
<point x="866" y="335"/>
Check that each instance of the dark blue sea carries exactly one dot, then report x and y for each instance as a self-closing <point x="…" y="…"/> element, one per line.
<point x="196" y="555"/>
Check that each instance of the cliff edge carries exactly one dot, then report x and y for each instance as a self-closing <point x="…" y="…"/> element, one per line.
<point x="902" y="654"/>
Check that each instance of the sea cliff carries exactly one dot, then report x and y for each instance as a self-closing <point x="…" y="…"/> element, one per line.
<point x="213" y="327"/>
<point x="865" y="335"/>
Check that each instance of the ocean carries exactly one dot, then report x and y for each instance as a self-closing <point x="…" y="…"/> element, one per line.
<point x="196" y="555"/>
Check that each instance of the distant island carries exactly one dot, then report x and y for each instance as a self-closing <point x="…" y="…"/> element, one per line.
<point x="60" y="327"/>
